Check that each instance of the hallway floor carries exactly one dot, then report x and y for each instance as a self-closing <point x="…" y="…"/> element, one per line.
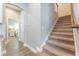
<point x="16" y="48"/>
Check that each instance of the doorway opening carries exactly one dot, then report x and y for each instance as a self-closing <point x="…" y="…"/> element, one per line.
<point x="13" y="16"/>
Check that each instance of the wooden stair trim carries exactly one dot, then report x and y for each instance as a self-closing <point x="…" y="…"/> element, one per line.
<point x="62" y="28"/>
<point x="61" y="33"/>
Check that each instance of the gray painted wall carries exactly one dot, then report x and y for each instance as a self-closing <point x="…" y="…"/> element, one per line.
<point x="75" y="12"/>
<point x="41" y="21"/>
<point x="34" y="25"/>
<point x="48" y="19"/>
<point x="76" y="30"/>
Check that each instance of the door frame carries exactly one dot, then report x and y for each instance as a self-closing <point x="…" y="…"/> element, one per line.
<point x="13" y="6"/>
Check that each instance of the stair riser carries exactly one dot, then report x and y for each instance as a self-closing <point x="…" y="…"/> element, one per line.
<point x="49" y="53"/>
<point x="63" y="21"/>
<point x="63" y="24"/>
<point x="65" y="31"/>
<point x="62" y="39"/>
<point x="66" y="36"/>
<point x="55" y="50"/>
<point x="62" y="46"/>
<point x="63" y="27"/>
<point x="62" y="34"/>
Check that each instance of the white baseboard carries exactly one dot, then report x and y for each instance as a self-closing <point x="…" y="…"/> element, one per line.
<point x="32" y="49"/>
<point x="28" y="46"/>
<point x="40" y="49"/>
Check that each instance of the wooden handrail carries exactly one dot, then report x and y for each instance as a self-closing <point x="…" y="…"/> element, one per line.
<point x="75" y="26"/>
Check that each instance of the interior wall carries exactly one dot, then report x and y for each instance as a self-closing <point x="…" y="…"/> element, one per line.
<point x="64" y="9"/>
<point x="37" y="23"/>
<point x="75" y="12"/>
<point x="48" y="20"/>
<point x="1" y="20"/>
<point x="34" y="23"/>
<point x="41" y="21"/>
<point x="76" y="30"/>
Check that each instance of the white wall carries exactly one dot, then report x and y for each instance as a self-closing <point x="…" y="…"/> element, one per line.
<point x="64" y="9"/>
<point x="76" y="13"/>
<point x="48" y="20"/>
<point x="34" y="24"/>
<point x="1" y="19"/>
<point x="40" y="22"/>
<point x="76" y="30"/>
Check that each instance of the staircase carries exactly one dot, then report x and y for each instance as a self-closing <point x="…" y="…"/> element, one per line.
<point x="61" y="41"/>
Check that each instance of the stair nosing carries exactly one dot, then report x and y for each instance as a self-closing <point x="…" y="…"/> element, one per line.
<point x="61" y="33"/>
<point x="61" y="38"/>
